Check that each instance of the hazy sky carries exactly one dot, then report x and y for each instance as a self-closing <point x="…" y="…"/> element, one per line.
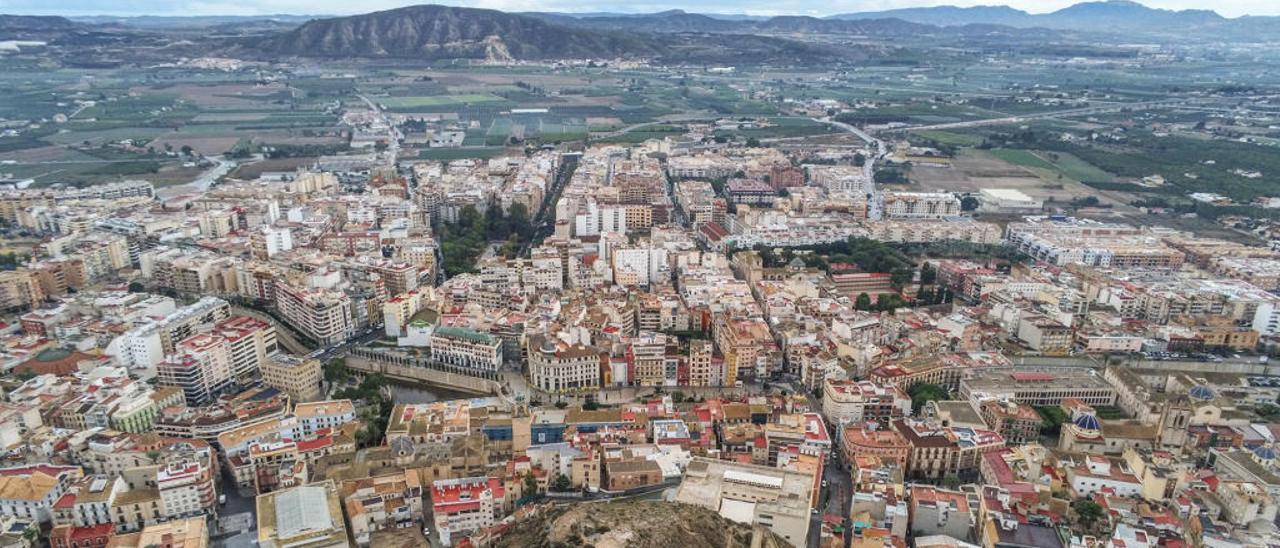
<point x="1230" y="8"/>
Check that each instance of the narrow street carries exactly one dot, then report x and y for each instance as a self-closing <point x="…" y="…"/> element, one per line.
<point x="544" y="219"/>
<point x="836" y="493"/>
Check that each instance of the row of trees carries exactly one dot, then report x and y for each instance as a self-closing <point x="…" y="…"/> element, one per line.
<point x="562" y="484"/>
<point x="895" y="176"/>
<point x="463" y="242"/>
<point x="11" y="260"/>
<point x="884" y="301"/>
<point x="922" y="393"/>
<point x="376" y="406"/>
<point x="962" y="250"/>
<point x="874" y="256"/>
<point x="927" y="296"/>
<point x="870" y="255"/>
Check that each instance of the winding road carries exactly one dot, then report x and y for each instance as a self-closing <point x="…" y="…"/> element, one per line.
<point x="220" y="167"/>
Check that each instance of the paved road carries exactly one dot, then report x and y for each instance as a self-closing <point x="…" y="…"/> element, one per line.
<point x="361" y="339"/>
<point x="546" y="214"/>
<point x="221" y="166"/>
<point x="202" y="183"/>
<point x="1101" y="109"/>
<point x="284" y="333"/>
<point x="679" y="118"/>
<point x="393" y="140"/>
<point x="880" y="153"/>
<point x="836" y="495"/>
<point x="237" y="502"/>
<point x="869" y="165"/>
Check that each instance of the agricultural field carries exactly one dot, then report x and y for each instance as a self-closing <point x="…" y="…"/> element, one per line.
<point x="782" y="128"/>
<point x="232" y="96"/>
<point x="254" y="170"/>
<point x="98" y="137"/>
<point x="447" y="154"/>
<point x="919" y="112"/>
<point x="415" y="103"/>
<point x="1188" y="162"/>
<point x="1024" y="158"/>
<point x="948" y="138"/>
<point x="973" y="170"/>
<point x="124" y="124"/>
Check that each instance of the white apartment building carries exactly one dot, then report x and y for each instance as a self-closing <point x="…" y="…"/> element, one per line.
<point x="464" y="504"/>
<point x="841" y="179"/>
<point x="544" y="272"/>
<point x="147" y="345"/>
<point x="249" y="341"/>
<point x="186" y="489"/>
<point x="466" y="349"/>
<point x="919" y="205"/>
<point x="28" y="492"/>
<point x="1098" y="473"/>
<point x="593" y="219"/>
<point x="200" y="366"/>
<point x="640" y="266"/>
<point x="275" y="240"/>
<point x="324" y="315"/>
<point x="315" y="416"/>
<point x="1266" y="318"/>
<point x="557" y="367"/>
<point x="700" y="167"/>
<point x="853" y="402"/>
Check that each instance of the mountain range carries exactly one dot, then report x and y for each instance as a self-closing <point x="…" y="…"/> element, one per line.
<point x="34" y="23"/>
<point x="441" y="32"/>
<point x="681" y="21"/>
<point x="1116" y="15"/>
<point x="431" y="32"/>
<point x="194" y="21"/>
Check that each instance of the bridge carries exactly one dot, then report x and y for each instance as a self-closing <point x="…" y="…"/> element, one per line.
<point x="406" y="367"/>
<point x="1237" y="366"/>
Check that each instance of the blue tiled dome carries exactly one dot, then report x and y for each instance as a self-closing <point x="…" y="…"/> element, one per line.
<point x="1201" y="392"/>
<point x="1087" y="422"/>
<point x="1264" y="453"/>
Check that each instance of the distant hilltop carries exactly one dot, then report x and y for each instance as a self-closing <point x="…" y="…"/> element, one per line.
<point x="444" y="32"/>
<point x="431" y="32"/>
<point x="1109" y="14"/>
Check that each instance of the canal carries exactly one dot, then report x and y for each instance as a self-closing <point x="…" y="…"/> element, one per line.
<point x="405" y="392"/>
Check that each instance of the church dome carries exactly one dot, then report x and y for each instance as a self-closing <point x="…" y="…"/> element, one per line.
<point x="1201" y="392"/>
<point x="1265" y="453"/>
<point x="1087" y="422"/>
